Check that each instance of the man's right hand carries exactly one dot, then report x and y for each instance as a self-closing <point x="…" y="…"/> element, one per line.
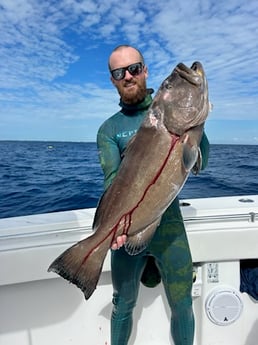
<point x="120" y="241"/>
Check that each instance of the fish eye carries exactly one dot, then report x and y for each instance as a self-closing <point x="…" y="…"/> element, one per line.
<point x="168" y="85"/>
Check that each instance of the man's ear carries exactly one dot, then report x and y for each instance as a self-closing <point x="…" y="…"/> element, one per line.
<point x="146" y="72"/>
<point x="112" y="80"/>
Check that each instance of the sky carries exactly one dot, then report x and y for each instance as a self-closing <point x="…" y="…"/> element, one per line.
<point x="54" y="80"/>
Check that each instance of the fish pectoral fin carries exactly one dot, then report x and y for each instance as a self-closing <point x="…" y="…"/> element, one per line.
<point x="81" y="265"/>
<point x="136" y="243"/>
<point x="190" y="155"/>
<point x="198" y="164"/>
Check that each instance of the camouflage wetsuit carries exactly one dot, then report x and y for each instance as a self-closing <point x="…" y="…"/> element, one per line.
<point x="169" y="246"/>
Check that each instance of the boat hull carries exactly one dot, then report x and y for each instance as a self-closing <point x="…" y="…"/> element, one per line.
<point x="38" y="307"/>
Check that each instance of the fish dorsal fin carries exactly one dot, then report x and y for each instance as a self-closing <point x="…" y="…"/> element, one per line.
<point x="136" y="243"/>
<point x="128" y="146"/>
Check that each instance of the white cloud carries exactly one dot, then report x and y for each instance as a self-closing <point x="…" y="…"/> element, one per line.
<point x="42" y="41"/>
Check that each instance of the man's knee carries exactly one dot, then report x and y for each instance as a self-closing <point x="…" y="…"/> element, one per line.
<point x="123" y="304"/>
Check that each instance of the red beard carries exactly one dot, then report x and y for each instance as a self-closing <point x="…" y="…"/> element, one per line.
<point x="132" y="95"/>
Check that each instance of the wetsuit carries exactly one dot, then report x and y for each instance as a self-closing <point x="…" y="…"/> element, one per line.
<point x="169" y="246"/>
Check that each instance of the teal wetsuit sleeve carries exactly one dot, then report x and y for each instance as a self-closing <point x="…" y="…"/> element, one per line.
<point x="109" y="157"/>
<point x="205" y="148"/>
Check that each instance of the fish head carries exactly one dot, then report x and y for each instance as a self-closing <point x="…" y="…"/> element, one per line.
<point x="182" y="99"/>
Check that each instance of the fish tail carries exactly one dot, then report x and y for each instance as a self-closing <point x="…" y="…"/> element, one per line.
<point x="81" y="264"/>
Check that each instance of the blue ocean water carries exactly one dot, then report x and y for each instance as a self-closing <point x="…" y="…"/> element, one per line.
<point x="39" y="177"/>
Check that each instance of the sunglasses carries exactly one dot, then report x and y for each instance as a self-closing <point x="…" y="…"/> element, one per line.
<point x="134" y="69"/>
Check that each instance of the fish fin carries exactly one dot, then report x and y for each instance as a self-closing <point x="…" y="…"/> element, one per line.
<point x="198" y="165"/>
<point x="81" y="264"/>
<point x="135" y="244"/>
<point x="97" y="215"/>
<point x="190" y="154"/>
<point x="129" y="146"/>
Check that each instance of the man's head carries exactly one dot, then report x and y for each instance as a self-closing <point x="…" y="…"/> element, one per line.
<point x="128" y="73"/>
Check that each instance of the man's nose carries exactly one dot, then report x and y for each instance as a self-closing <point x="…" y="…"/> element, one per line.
<point x="128" y="75"/>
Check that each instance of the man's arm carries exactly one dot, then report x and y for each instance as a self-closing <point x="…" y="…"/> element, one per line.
<point x="205" y="148"/>
<point x="109" y="156"/>
<point x="110" y="159"/>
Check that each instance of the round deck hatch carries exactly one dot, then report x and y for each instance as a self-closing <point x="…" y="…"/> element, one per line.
<point x="223" y="305"/>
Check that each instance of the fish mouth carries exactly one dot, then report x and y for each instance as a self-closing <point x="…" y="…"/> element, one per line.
<point x="193" y="75"/>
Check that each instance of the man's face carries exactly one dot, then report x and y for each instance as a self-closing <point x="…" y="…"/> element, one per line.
<point x="132" y="89"/>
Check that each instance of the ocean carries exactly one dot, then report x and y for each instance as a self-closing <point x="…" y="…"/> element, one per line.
<point x="41" y="177"/>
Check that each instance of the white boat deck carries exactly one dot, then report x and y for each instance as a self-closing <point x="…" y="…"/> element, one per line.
<point x="39" y="308"/>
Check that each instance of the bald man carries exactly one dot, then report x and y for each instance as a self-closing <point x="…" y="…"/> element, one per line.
<point x="168" y="256"/>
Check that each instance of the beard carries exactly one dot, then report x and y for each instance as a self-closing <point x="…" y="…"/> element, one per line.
<point x="132" y="95"/>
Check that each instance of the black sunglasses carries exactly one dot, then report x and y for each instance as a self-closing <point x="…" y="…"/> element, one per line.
<point x="134" y="69"/>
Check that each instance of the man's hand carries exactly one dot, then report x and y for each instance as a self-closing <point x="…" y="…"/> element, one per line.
<point x="120" y="241"/>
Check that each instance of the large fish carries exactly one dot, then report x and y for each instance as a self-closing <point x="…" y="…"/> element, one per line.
<point x="155" y="166"/>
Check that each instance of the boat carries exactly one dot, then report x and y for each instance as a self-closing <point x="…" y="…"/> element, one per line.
<point x="38" y="307"/>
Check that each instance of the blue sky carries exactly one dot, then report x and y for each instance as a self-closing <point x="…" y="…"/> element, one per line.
<point x="54" y="82"/>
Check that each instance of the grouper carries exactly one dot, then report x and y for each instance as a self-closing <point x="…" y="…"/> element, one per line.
<point x="154" y="168"/>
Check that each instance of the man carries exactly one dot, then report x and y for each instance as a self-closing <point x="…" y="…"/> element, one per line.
<point x="169" y="249"/>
